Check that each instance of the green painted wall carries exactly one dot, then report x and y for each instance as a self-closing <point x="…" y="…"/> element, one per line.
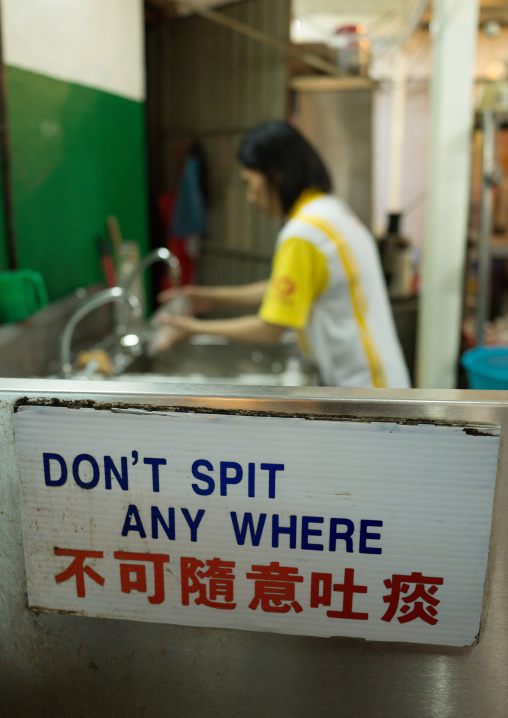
<point x="3" y="244"/>
<point x="77" y="156"/>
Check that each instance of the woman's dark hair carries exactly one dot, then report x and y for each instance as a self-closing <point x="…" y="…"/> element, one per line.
<point x="289" y="163"/>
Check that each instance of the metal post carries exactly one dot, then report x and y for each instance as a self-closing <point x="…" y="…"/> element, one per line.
<point x="488" y="166"/>
<point x="446" y="215"/>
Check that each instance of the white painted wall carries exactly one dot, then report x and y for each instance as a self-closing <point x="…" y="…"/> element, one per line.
<point x="491" y="54"/>
<point x="414" y="160"/>
<point x="96" y="43"/>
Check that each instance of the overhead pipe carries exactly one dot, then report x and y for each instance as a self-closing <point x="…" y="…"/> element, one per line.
<point x="254" y="34"/>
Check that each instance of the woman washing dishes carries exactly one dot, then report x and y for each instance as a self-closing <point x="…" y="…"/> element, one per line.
<point x="326" y="279"/>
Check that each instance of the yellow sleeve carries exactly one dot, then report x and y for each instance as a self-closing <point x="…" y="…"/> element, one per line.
<point x="299" y="275"/>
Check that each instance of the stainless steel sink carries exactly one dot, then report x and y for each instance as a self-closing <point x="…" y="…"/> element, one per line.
<point x="30" y="349"/>
<point x="207" y="361"/>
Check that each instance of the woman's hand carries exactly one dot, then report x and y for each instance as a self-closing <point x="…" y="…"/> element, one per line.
<point x="174" y="330"/>
<point x="199" y="299"/>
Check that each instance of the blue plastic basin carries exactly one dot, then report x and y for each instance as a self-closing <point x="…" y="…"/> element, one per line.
<point x="486" y="367"/>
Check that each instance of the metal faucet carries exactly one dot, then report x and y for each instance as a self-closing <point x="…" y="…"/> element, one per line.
<point x="115" y="294"/>
<point x="160" y="254"/>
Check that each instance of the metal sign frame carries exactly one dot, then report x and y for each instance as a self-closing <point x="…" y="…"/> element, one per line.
<point x="469" y="670"/>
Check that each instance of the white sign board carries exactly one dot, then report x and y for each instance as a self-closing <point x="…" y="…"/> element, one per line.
<point x="323" y="528"/>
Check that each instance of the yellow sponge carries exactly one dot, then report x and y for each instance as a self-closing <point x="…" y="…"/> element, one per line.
<point x="104" y="365"/>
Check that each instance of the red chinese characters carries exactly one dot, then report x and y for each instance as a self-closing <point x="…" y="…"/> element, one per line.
<point x="78" y="568"/>
<point x="214" y="585"/>
<point x="422" y="598"/>
<point x="274" y="588"/>
<point x="133" y="575"/>
<point x="321" y="594"/>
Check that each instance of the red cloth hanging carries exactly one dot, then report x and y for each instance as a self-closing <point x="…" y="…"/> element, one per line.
<point x="176" y="245"/>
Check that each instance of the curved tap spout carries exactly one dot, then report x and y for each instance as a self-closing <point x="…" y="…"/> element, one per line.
<point x="115" y="294"/>
<point x="160" y="254"/>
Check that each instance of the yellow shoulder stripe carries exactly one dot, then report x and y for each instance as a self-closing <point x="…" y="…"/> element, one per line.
<point x="358" y="298"/>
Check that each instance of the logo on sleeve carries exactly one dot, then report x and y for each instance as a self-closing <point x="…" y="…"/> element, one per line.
<point x="284" y="287"/>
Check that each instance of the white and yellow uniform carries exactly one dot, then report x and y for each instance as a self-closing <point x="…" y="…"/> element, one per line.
<point x="327" y="282"/>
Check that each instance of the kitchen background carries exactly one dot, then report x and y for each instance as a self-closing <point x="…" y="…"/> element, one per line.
<point x="103" y="101"/>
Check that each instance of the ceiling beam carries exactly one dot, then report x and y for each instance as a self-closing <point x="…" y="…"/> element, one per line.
<point x="253" y="33"/>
